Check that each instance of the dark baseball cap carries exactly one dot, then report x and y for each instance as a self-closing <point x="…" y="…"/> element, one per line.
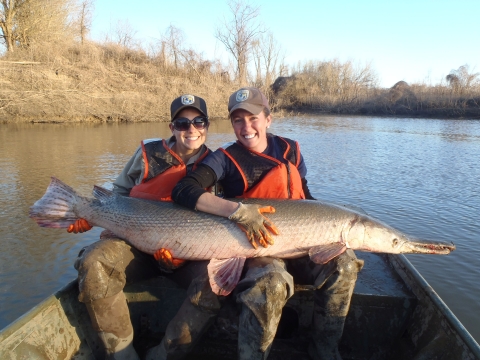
<point x="188" y="101"/>
<point x="248" y="98"/>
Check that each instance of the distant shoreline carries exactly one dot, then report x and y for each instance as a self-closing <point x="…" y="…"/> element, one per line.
<point x="447" y="114"/>
<point x="444" y="114"/>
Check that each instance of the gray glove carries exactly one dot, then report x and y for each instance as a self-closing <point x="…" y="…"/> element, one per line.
<point x="257" y="227"/>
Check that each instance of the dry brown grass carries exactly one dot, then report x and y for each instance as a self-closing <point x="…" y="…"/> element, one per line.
<point x="108" y="82"/>
<point x="335" y="87"/>
<point x="420" y="100"/>
<point x="73" y="82"/>
<point x="328" y="86"/>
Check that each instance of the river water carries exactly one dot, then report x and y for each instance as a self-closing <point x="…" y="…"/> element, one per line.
<point x="420" y="176"/>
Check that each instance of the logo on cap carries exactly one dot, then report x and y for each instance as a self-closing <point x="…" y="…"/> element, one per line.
<point x="242" y="95"/>
<point x="188" y="99"/>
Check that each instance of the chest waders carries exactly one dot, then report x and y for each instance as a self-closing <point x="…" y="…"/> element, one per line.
<point x="102" y="266"/>
<point x="266" y="285"/>
<point x="263" y="290"/>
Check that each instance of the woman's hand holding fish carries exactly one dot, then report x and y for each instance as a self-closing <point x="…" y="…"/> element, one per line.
<point x="79" y="226"/>
<point x="166" y="261"/>
<point x="256" y="226"/>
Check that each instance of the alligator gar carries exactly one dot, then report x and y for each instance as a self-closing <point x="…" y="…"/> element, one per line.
<point x="319" y="229"/>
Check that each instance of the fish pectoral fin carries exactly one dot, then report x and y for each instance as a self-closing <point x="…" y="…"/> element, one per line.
<point x="324" y="253"/>
<point x="224" y="274"/>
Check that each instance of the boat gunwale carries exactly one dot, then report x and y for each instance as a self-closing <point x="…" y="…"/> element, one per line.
<point x="406" y="271"/>
<point x="53" y="299"/>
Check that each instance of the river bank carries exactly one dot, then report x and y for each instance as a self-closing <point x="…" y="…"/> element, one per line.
<point x="450" y="114"/>
<point x="309" y="93"/>
<point x="103" y="83"/>
<point x="446" y="113"/>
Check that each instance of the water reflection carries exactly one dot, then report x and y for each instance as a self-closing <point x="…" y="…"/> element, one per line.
<point x="418" y="175"/>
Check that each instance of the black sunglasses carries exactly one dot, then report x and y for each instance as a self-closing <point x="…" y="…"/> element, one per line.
<point x="183" y="124"/>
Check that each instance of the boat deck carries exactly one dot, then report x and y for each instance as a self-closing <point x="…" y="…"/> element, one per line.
<point x="379" y="313"/>
<point x="394" y="315"/>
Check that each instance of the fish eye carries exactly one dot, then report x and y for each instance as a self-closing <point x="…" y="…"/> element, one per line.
<point x="395" y="242"/>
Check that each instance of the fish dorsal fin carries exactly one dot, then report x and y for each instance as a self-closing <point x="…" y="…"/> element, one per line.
<point x="224" y="274"/>
<point x="101" y="193"/>
<point x="355" y="208"/>
<point x="324" y="253"/>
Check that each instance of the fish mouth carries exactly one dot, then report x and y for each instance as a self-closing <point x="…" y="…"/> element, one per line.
<point x="428" y="247"/>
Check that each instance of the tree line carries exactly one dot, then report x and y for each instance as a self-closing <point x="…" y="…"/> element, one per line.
<point x="46" y="31"/>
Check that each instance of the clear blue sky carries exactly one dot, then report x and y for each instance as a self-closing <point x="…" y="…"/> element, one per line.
<point x="414" y="41"/>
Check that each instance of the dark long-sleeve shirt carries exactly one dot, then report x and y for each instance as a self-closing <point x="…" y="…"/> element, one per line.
<point x="217" y="167"/>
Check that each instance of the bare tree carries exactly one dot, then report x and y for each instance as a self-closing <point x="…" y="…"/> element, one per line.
<point x="461" y="79"/>
<point x="124" y="34"/>
<point x="238" y="35"/>
<point x="8" y="12"/>
<point x="173" y="40"/>
<point x="24" y="22"/>
<point x="84" y="18"/>
<point x="257" y="60"/>
<point x="43" y="21"/>
<point x="272" y="57"/>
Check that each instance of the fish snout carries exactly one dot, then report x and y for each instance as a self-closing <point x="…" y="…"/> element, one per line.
<point x="429" y="247"/>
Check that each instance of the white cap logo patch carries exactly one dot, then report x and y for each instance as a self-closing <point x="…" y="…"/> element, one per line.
<point x="242" y="95"/>
<point x="188" y="99"/>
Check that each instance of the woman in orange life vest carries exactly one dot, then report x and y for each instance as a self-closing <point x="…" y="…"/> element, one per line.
<point x="257" y="165"/>
<point x="263" y="165"/>
<point x="107" y="265"/>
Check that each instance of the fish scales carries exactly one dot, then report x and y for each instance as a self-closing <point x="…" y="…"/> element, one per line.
<point x="321" y="230"/>
<point x="305" y="226"/>
<point x="150" y="226"/>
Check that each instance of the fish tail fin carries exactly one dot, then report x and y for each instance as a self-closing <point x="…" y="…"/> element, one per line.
<point x="56" y="207"/>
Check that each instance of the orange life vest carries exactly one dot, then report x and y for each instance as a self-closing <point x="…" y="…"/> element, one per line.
<point x="266" y="177"/>
<point x="163" y="169"/>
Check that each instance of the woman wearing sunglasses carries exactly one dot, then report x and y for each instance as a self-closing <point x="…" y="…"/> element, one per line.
<point x="159" y="164"/>
<point x="107" y="265"/>
<point x="260" y="165"/>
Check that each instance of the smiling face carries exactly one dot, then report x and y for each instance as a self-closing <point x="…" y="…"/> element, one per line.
<point x="188" y="142"/>
<point x="250" y="129"/>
